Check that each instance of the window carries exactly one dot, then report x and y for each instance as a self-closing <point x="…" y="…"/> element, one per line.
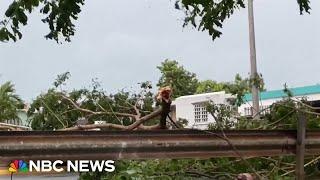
<point x="264" y="110"/>
<point x="200" y="113"/>
<point x="248" y="111"/>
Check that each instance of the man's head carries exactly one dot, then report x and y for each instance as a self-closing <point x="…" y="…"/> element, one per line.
<point x="164" y="93"/>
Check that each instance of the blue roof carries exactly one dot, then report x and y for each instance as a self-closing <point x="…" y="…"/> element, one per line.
<point x="275" y="94"/>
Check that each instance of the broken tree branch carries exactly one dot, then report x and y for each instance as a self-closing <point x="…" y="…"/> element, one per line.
<point x="136" y="125"/>
<point x="76" y="106"/>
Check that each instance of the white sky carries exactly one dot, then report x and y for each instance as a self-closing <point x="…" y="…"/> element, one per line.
<point x="122" y="42"/>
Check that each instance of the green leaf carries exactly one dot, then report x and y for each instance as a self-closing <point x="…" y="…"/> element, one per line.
<point x="4" y="34"/>
<point x="15" y="22"/>
<point x="22" y="17"/>
<point x="11" y="9"/>
<point x="46" y="8"/>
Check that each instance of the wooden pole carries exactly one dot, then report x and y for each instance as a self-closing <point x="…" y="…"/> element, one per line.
<point x="300" y="151"/>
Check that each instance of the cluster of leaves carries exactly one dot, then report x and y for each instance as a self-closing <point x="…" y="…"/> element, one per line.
<point x="239" y="87"/>
<point x="257" y="81"/>
<point x="167" y="170"/>
<point x="178" y="78"/>
<point x="59" y="15"/>
<point x="206" y="15"/>
<point x="184" y="82"/>
<point x="223" y="115"/>
<point x="10" y="102"/>
<point x="284" y="115"/>
<point x="208" y="86"/>
<point x="304" y="6"/>
<point x="209" y="15"/>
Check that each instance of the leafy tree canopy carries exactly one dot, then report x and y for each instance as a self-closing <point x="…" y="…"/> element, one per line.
<point x="51" y="110"/>
<point x="239" y="87"/>
<point x="206" y="15"/>
<point x="10" y="102"/>
<point x="209" y="15"/>
<point x="208" y="86"/>
<point x="178" y="78"/>
<point x="59" y="15"/>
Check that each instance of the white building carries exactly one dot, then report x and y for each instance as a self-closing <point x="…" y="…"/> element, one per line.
<point x="22" y="119"/>
<point x="21" y="122"/>
<point x="267" y="98"/>
<point x="193" y="108"/>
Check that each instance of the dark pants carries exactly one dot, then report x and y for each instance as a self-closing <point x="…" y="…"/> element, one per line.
<point x="164" y="114"/>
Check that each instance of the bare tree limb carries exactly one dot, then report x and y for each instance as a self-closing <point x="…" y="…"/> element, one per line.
<point x="12" y="127"/>
<point x="76" y="106"/>
<point x="136" y="125"/>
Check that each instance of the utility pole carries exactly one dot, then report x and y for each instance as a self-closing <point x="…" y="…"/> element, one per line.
<point x="253" y="62"/>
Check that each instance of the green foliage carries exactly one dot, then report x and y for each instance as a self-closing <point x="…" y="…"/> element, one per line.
<point x="284" y="114"/>
<point x="59" y="15"/>
<point x="184" y="82"/>
<point x="50" y="110"/>
<point x="61" y="79"/>
<point x="206" y="15"/>
<point x="209" y="15"/>
<point x="178" y="78"/>
<point x="208" y="86"/>
<point x="10" y="102"/>
<point x="47" y="112"/>
<point x="161" y="169"/>
<point x="214" y="168"/>
<point x="304" y="6"/>
<point x="257" y="81"/>
<point x="239" y="87"/>
<point x="223" y="116"/>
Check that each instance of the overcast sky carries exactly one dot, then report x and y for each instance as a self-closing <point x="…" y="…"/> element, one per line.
<point x="122" y="42"/>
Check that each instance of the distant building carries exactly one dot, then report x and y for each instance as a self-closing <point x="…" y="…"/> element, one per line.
<point x="22" y="119"/>
<point x="267" y="98"/>
<point x="193" y="108"/>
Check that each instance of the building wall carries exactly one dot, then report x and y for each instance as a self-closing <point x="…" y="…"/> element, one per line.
<point x="268" y="102"/>
<point x="22" y="119"/>
<point x="185" y="107"/>
<point x="243" y="109"/>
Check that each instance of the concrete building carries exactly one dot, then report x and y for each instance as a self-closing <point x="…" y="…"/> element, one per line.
<point x="21" y="122"/>
<point x="267" y="98"/>
<point x="193" y="108"/>
<point x="22" y="119"/>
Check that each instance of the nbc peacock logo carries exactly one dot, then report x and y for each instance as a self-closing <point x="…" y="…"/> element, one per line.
<point x="18" y="166"/>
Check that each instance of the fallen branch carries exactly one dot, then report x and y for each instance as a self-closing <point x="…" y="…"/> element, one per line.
<point x="12" y="127"/>
<point x="138" y="124"/>
<point x="163" y="111"/>
<point x="77" y="107"/>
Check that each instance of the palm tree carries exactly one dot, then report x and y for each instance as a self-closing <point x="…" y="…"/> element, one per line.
<point x="10" y="102"/>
